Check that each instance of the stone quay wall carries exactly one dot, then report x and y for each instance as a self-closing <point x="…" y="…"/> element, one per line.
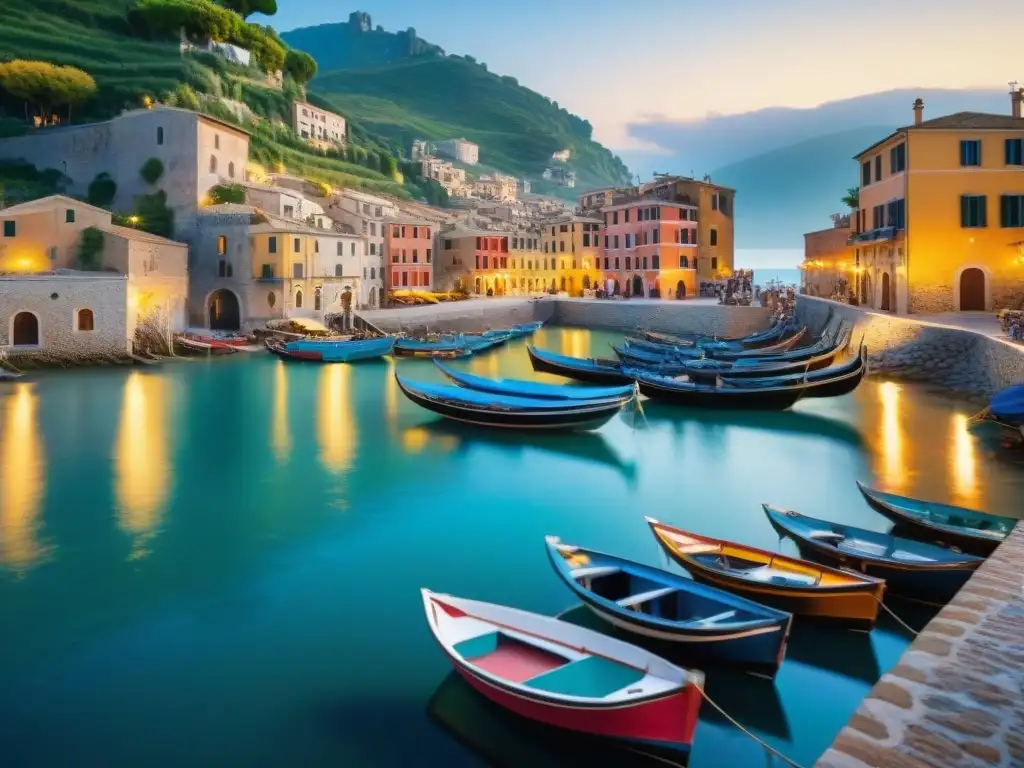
<point x="900" y="347"/>
<point x="954" y="700"/>
<point x="693" y="316"/>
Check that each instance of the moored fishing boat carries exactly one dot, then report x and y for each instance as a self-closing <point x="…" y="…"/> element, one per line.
<point x="442" y="348"/>
<point x="835" y="381"/>
<point x="837" y="339"/>
<point x="803" y="588"/>
<point x="672" y="390"/>
<point x="593" y="370"/>
<point x="210" y="346"/>
<point x="566" y="676"/>
<point x="767" y="336"/>
<point x="538" y="389"/>
<point x="967" y="530"/>
<point x="910" y="568"/>
<point x="704" y="622"/>
<point x="493" y="410"/>
<point x="333" y="350"/>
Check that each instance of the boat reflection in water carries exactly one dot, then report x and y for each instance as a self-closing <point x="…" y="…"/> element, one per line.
<point x="503" y="740"/>
<point x="141" y="460"/>
<point x="584" y="446"/>
<point x="786" y="422"/>
<point x="837" y="649"/>
<point x="21" y="481"/>
<point x="753" y="701"/>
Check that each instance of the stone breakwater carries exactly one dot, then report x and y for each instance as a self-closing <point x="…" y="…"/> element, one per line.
<point x="900" y="347"/>
<point x="956" y="697"/>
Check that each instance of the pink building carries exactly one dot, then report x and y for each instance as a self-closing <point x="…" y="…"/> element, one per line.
<point x="408" y="255"/>
<point x="650" y="248"/>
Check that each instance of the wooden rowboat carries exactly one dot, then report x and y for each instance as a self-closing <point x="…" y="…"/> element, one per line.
<point x="803" y="588"/>
<point x="976" y="533"/>
<point x="566" y="676"/>
<point x="910" y="568"/>
<point x="591" y="370"/>
<point x="703" y="622"/>
<point x="539" y="389"/>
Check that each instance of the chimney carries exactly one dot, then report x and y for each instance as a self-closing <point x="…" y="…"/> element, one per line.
<point x="1016" y="99"/>
<point x="918" y="111"/>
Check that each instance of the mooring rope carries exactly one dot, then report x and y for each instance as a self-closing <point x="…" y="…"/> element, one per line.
<point x="760" y="741"/>
<point x="892" y="613"/>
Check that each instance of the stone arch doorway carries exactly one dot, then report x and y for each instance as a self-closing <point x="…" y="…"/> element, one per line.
<point x="616" y="289"/>
<point x="562" y="283"/>
<point x="638" y="286"/>
<point x="477" y="286"/>
<point x="25" y="330"/>
<point x="886" y="303"/>
<point x="373" y="296"/>
<point x="680" y="290"/>
<point x="655" y="290"/>
<point x="223" y="310"/>
<point x="972" y="290"/>
<point x="586" y="282"/>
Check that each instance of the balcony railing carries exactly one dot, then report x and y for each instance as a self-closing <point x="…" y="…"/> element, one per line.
<point x="875" y="235"/>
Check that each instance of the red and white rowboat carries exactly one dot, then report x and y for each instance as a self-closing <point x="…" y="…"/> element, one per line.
<point x="567" y="676"/>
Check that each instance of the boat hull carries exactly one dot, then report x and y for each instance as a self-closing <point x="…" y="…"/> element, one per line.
<point x="740" y="399"/>
<point x="964" y="541"/>
<point x="667" y="722"/>
<point x="577" y="416"/>
<point x="928" y="581"/>
<point x="592" y="375"/>
<point x="544" y="391"/>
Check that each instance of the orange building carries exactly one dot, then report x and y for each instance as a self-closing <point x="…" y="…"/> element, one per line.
<point x="829" y="267"/>
<point x="476" y="261"/>
<point x="408" y="254"/>
<point x="650" y="248"/>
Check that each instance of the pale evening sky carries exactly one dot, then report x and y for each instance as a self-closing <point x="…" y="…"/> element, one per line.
<point x="617" y="62"/>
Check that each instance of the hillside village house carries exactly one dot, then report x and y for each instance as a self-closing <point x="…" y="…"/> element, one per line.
<point x="408" y="254"/>
<point x="475" y="261"/>
<point x="444" y="173"/>
<point x="318" y="126"/>
<point x="530" y="270"/>
<point x="495" y="186"/>
<point x="249" y="267"/>
<point x="573" y="243"/>
<point x="368" y="216"/>
<point x="286" y="203"/>
<point x="459" y="149"/>
<point x="47" y="305"/>
<point x="940" y="226"/>
<point x="197" y="152"/>
<point x="828" y="266"/>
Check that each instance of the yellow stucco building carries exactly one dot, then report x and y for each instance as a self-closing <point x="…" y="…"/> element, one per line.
<point x="573" y="244"/>
<point x="940" y="224"/>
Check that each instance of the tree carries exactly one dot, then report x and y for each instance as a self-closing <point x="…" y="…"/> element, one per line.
<point x="46" y="85"/>
<point x="246" y="8"/>
<point x="300" y="66"/>
<point x="89" y="248"/>
<point x="152" y="170"/>
<point x="102" y="190"/>
<point x="227" y="193"/>
<point x="852" y="198"/>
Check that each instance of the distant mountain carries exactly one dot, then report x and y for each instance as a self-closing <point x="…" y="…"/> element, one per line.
<point x="403" y="88"/>
<point x="716" y="141"/>
<point x="786" y="192"/>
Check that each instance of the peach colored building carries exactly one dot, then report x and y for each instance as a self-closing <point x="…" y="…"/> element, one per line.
<point x="649" y="249"/>
<point x="408" y="254"/>
<point x="828" y="266"/>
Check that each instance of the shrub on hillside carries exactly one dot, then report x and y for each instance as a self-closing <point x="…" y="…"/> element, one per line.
<point x="153" y="214"/>
<point x="102" y="190"/>
<point x="300" y="66"/>
<point x="152" y="170"/>
<point x="183" y="97"/>
<point x="246" y="8"/>
<point x="227" y="193"/>
<point x="89" y="249"/>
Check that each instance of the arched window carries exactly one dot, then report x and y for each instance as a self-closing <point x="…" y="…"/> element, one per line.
<point x="25" y="330"/>
<point x="213" y="163"/>
<point x="684" y="263"/>
<point x="337" y="270"/>
<point x="298" y="299"/>
<point x="231" y="170"/>
<point x="85" y="320"/>
<point x="316" y="299"/>
<point x="373" y="273"/>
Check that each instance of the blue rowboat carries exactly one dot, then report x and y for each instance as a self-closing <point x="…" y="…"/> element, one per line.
<point x="705" y="623"/>
<point x="632" y="353"/>
<point x="593" y="370"/>
<point x="519" y="388"/>
<point x="491" y="410"/>
<point x="910" y="568"/>
<point x="659" y="386"/>
<point x="767" y="336"/>
<point x="333" y="350"/>
<point x="444" y="348"/>
<point x="1007" y="406"/>
<point x="976" y="533"/>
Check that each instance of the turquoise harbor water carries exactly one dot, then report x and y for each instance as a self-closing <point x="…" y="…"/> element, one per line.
<point x="218" y="562"/>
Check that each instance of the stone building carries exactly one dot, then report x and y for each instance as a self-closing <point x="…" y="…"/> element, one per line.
<point x="940" y="224"/>
<point x="58" y="235"/>
<point x="249" y="266"/>
<point x="286" y="203"/>
<point x="197" y="152"/>
<point x="459" y="149"/>
<point x="368" y="216"/>
<point x="828" y="269"/>
<point x="318" y="126"/>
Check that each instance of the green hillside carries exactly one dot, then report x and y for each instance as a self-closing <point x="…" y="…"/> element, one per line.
<point x="348" y="46"/>
<point x="96" y="36"/>
<point x="427" y="95"/>
<point x="782" y="194"/>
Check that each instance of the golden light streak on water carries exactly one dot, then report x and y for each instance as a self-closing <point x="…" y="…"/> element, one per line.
<point x="391" y="394"/>
<point x="964" y="469"/>
<point x="142" y="474"/>
<point x="893" y="469"/>
<point x="576" y="342"/>
<point x="21" y="482"/>
<point x="336" y="426"/>
<point x="415" y="439"/>
<point x="280" y="433"/>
